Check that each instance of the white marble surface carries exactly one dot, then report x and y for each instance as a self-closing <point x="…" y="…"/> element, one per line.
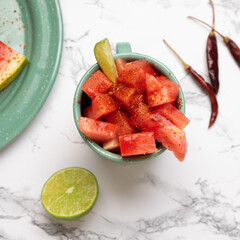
<point x="159" y="199"/>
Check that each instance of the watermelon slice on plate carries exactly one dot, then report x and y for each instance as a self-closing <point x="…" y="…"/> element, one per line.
<point x="11" y="64"/>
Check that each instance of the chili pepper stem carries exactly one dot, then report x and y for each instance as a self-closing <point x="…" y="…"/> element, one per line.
<point x="213" y="9"/>
<point x="224" y="38"/>
<point x="186" y="66"/>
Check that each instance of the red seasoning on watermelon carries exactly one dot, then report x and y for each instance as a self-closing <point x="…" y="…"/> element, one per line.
<point x="121" y="120"/>
<point x="172" y="114"/>
<point x="161" y="90"/>
<point x="97" y="83"/>
<point x="133" y="77"/>
<point x="102" y="105"/>
<point x="123" y="94"/>
<point x="11" y="64"/>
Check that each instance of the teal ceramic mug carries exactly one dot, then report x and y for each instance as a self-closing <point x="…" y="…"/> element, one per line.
<point x="81" y="101"/>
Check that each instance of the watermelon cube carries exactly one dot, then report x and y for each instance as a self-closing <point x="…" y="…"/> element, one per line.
<point x="170" y="85"/>
<point x="102" y="105"/>
<point x="138" y="143"/>
<point x="171" y="137"/>
<point x="138" y="100"/>
<point x="140" y="117"/>
<point x="121" y="120"/>
<point x="97" y="83"/>
<point x="96" y="130"/>
<point x="120" y="64"/>
<point x="160" y="91"/>
<point x="144" y="65"/>
<point x="134" y="77"/>
<point x="173" y="115"/>
<point x="123" y="94"/>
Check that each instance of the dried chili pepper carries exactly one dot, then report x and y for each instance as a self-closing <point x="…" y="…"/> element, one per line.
<point x="232" y="46"/>
<point x="212" y="55"/>
<point x="205" y="86"/>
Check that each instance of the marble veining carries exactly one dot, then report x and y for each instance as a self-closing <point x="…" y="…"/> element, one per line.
<point x="208" y="208"/>
<point x="159" y="199"/>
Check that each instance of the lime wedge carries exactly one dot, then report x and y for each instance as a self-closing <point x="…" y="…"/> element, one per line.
<point x="104" y="57"/>
<point x="70" y="193"/>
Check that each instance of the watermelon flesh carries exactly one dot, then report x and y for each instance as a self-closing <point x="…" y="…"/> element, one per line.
<point x="160" y="91"/>
<point x="138" y="143"/>
<point x="123" y="94"/>
<point x="97" y="83"/>
<point x="102" y="105"/>
<point x="11" y="64"/>
<point x="133" y="77"/>
<point x="138" y="100"/>
<point x="120" y="64"/>
<point x="121" y="120"/>
<point x="169" y="135"/>
<point x="144" y="65"/>
<point x="96" y="130"/>
<point x="172" y="87"/>
<point x="173" y="115"/>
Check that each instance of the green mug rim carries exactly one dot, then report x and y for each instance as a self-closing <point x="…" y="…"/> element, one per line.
<point x="130" y="56"/>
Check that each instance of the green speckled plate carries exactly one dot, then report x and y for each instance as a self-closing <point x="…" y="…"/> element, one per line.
<point x="33" y="28"/>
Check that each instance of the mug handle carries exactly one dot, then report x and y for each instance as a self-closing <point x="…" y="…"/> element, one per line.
<point x="124" y="47"/>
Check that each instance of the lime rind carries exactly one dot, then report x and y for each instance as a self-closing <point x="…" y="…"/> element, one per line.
<point x="104" y="57"/>
<point x="77" y="214"/>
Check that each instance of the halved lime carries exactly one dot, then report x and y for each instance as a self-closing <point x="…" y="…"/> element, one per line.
<point x="70" y="193"/>
<point x="103" y="54"/>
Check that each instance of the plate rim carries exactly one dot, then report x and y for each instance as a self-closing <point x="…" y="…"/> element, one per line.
<point x="54" y="74"/>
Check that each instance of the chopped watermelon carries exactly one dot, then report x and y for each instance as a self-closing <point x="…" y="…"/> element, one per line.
<point x="171" y="137"/>
<point x="134" y="77"/>
<point x="170" y="85"/>
<point x="112" y="145"/>
<point x="102" y="105"/>
<point x="138" y="143"/>
<point x="165" y="132"/>
<point x="120" y="64"/>
<point x="138" y="99"/>
<point x="133" y="74"/>
<point x="123" y="94"/>
<point x="96" y="130"/>
<point x="144" y="65"/>
<point x="173" y="115"/>
<point x="121" y="120"/>
<point x="97" y="83"/>
<point x="160" y="92"/>
<point x="140" y="117"/>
